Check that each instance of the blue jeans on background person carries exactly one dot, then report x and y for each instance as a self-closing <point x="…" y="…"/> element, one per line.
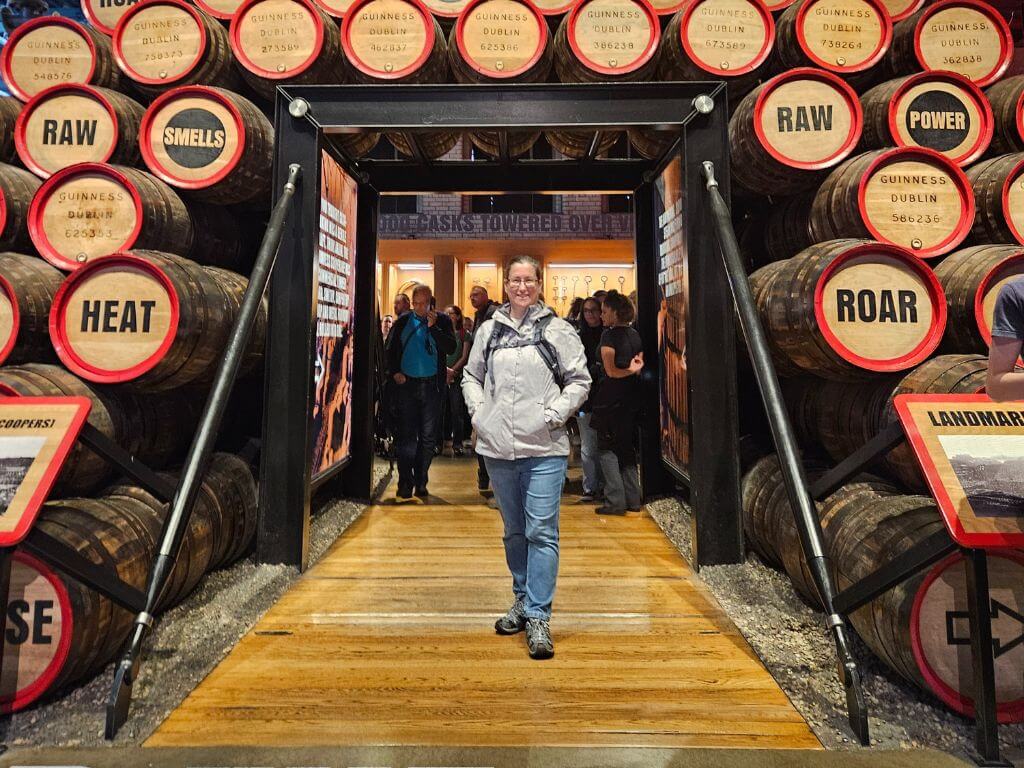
<point x="419" y="411"/>
<point x="529" y="493"/>
<point x="593" y="483"/>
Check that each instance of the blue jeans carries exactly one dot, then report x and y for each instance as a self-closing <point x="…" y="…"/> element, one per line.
<point x="593" y="482"/>
<point x="419" y="411"/>
<point x="529" y="492"/>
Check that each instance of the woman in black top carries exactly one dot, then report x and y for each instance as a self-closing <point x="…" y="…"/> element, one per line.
<point x="590" y="331"/>
<point x="617" y="403"/>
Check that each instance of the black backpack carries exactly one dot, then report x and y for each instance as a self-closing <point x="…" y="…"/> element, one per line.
<point x="504" y="337"/>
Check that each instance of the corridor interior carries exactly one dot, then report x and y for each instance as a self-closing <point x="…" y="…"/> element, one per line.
<point x="389" y="640"/>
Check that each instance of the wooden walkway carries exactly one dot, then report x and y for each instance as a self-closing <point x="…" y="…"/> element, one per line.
<point x="388" y="640"/>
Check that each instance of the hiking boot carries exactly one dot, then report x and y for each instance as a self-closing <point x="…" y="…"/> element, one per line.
<point x="538" y="639"/>
<point x="512" y="622"/>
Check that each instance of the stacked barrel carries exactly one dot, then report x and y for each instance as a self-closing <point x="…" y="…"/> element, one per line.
<point x="878" y="176"/>
<point x="135" y="158"/>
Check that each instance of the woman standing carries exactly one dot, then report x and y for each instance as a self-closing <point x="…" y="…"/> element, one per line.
<point x="526" y="375"/>
<point x="617" y="403"/>
<point x="454" y="425"/>
<point x="590" y="331"/>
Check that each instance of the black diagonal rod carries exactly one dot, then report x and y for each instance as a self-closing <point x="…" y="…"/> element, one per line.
<point x="199" y="454"/>
<point x="807" y="521"/>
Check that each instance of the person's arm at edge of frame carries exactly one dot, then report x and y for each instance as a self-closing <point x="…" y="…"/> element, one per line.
<point x="444" y="334"/>
<point x="473" y="372"/>
<point x="576" y="379"/>
<point x="1002" y="382"/>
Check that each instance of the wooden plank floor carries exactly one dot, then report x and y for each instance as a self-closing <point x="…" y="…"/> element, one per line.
<point x="388" y="640"/>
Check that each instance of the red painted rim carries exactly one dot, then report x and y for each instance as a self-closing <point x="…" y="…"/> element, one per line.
<point x="22" y="698"/>
<point x="35" y="211"/>
<point x="234" y="32"/>
<point x="428" y="44"/>
<point x="938" y="298"/>
<point x="856" y="125"/>
<point x="910" y="10"/>
<point x="206" y="7"/>
<point x="974" y="92"/>
<point x="872" y="60"/>
<point x="560" y="10"/>
<point x="927" y="155"/>
<point x="672" y="9"/>
<point x="757" y="61"/>
<point x="780" y="7"/>
<point x="204" y="41"/>
<point x="445" y="14"/>
<point x="21" y="124"/>
<point x="503" y="75"/>
<point x="3" y="210"/>
<point x="1007" y="711"/>
<point x="145" y="138"/>
<point x="67" y="353"/>
<point x="979" y="295"/>
<point x="1004" y="200"/>
<point x="648" y="53"/>
<point x="7" y="52"/>
<point x="93" y="19"/>
<point x="1005" y="43"/>
<point x="8" y="290"/>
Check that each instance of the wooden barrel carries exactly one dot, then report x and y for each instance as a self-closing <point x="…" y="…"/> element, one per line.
<point x="83" y="470"/>
<point x="160" y="44"/>
<point x="649" y="143"/>
<point x="848" y="415"/>
<point x="727" y="40"/>
<point x="920" y="627"/>
<point x="176" y="314"/>
<point x="393" y="41"/>
<point x="998" y="185"/>
<point x="787" y="132"/>
<point x="227" y="240"/>
<point x="901" y="9"/>
<point x="92" y="209"/>
<point x="497" y="41"/>
<point x="968" y="37"/>
<point x="70" y="124"/>
<point x="761" y="288"/>
<point x="54" y="50"/>
<point x="214" y="143"/>
<point x="845" y="309"/>
<point x="17" y="189"/>
<point x="911" y="197"/>
<point x="224" y="9"/>
<point x="234" y="285"/>
<point x="936" y="110"/>
<point x="280" y="42"/>
<point x="230" y="485"/>
<point x="942" y="375"/>
<point x="603" y="41"/>
<point x="778" y="6"/>
<point x="554" y="8"/>
<point x="971" y="279"/>
<point x="10" y="108"/>
<point x="787" y="229"/>
<point x="27" y="288"/>
<point x="104" y="14"/>
<point x="40" y="625"/>
<point x="1007" y="100"/>
<point x="846" y="37"/>
<point x="791" y="553"/>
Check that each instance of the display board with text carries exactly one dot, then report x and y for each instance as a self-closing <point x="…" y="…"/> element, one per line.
<point x="673" y="290"/>
<point x="971" y="451"/>
<point x="334" y="307"/>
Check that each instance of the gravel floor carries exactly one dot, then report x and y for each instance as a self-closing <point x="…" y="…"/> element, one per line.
<point x="208" y="624"/>
<point x="791" y="640"/>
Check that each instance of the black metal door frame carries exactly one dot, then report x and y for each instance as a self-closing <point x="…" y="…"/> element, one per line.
<point x="308" y="117"/>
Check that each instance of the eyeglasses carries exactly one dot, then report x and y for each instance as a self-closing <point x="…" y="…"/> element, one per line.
<point x="521" y="282"/>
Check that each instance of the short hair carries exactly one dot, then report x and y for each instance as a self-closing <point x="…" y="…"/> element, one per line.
<point x="421" y="288"/>
<point x="599" y="295"/>
<point x="621" y="306"/>
<point x="478" y="288"/>
<point x="524" y="259"/>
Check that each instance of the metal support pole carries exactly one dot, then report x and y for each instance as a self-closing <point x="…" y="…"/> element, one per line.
<point x="198" y="457"/>
<point x="986" y="725"/>
<point x="808" y="523"/>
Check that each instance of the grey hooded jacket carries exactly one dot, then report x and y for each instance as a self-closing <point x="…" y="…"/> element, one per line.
<point x="517" y="409"/>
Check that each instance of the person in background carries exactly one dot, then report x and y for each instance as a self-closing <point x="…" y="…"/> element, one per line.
<point x="455" y="406"/>
<point x="1004" y="380"/>
<point x="402" y="304"/>
<point x="521" y="388"/>
<point x="590" y="331"/>
<point x="416" y="353"/>
<point x="617" y="403"/>
<point x="484" y="310"/>
<point x="599" y="295"/>
<point x="467" y="323"/>
<point x="575" y="311"/>
<point x="385" y="325"/>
